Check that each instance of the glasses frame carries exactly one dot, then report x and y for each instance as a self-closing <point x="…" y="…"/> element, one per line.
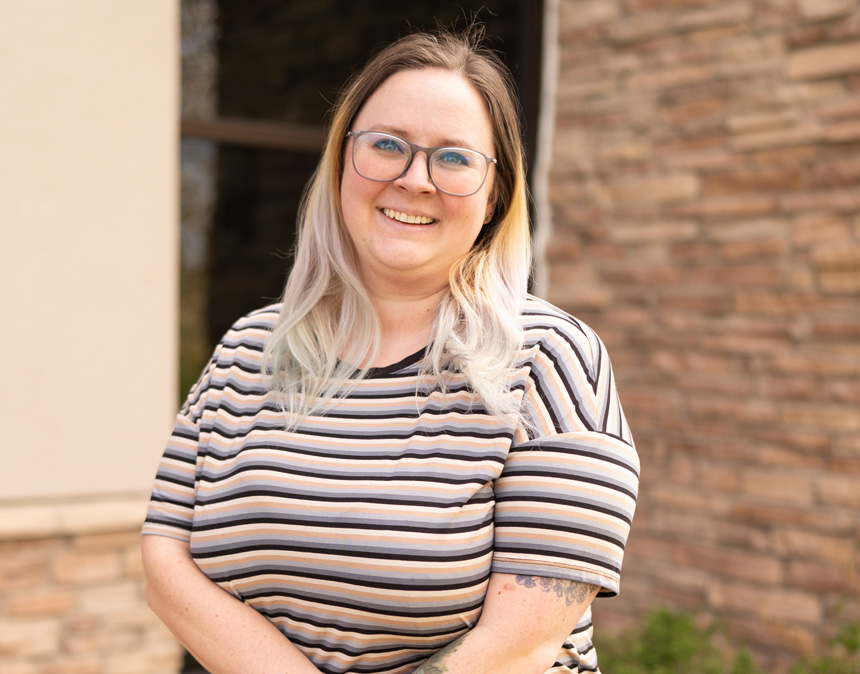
<point x="428" y="152"/>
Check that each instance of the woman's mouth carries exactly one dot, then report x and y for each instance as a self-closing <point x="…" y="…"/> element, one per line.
<point x="406" y="218"/>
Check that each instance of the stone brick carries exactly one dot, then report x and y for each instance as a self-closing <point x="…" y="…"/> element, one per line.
<point x="652" y="276"/>
<point x="570" y="285"/>
<point x="816" y="228"/>
<point x="19" y="666"/>
<point x="802" y="157"/>
<point x="118" y="541"/>
<point x="29" y="636"/>
<point x="838" y="329"/>
<point x="84" y="567"/>
<point x="787" y="640"/>
<point x="822" y="364"/>
<point x="688" y="499"/>
<point x="820" y="10"/>
<point x="649" y="232"/>
<point x="667" y="79"/>
<point x="41" y="601"/>
<point x="726" y="207"/>
<point x="778" y="605"/>
<point x="840" y="418"/>
<point x="640" y="26"/>
<point x="841" y="201"/>
<point x="737" y="564"/>
<point x="745" y="181"/>
<point x="747" y="49"/>
<point x="764" y="302"/>
<point x="785" y="487"/>
<point x="754" y="250"/>
<point x="22" y="566"/>
<point x="754" y="411"/>
<point x="818" y="577"/>
<point x="835" y="172"/>
<point x="656" y="188"/>
<point x="824" y="61"/>
<point x="578" y="90"/>
<point x="834" y="522"/>
<point x="132" y="563"/>
<point x="71" y="664"/>
<point x="154" y="659"/>
<point x="801" y="544"/>
<point x="785" y="458"/>
<point x="843" y="132"/>
<point x="723" y="14"/>
<point x="113" y="599"/>
<point x="844" y="281"/>
<point x="623" y="150"/>
<point x="836" y="256"/>
<point x="839" y="490"/>
<point x="840" y="108"/>
<point x="576" y="15"/>
<point x="806" y="35"/>
<point x="745" y="230"/>
<point x="740" y="535"/>
<point x="804" y="133"/>
<point x="751" y="122"/>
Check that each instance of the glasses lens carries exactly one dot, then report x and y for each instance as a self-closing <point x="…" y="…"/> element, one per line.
<point x="378" y="156"/>
<point x="458" y="171"/>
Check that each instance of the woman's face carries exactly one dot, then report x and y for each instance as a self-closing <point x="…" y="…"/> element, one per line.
<point x="429" y="107"/>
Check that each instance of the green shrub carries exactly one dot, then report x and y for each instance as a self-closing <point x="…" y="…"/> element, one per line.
<point x="671" y="643"/>
<point x="841" y="657"/>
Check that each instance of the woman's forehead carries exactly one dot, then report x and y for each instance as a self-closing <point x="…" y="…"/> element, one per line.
<point x="428" y="106"/>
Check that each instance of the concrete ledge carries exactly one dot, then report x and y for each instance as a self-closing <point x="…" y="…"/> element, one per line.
<point x="27" y="521"/>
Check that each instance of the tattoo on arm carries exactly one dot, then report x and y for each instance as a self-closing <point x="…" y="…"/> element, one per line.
<point x="436" y="663"/>
<point x="572" y="591"/>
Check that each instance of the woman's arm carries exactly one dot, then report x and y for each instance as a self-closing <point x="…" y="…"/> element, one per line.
<point x="225" y="635"/>
<point x="522" y="627"/>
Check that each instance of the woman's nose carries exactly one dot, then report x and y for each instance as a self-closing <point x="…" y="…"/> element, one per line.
<point x="417" y="176"/>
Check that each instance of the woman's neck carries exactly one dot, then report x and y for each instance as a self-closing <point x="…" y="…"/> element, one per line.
<point x="406" y="323"/>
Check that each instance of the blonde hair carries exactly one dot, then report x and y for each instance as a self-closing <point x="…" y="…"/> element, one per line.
<point x="328" y="324"/>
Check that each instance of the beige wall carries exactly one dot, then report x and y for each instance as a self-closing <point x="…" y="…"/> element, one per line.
<point x="88" y="244"/>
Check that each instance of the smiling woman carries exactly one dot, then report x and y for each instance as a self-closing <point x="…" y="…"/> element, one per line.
<point x="409" y="465"/>
<point x="415" y="251"/>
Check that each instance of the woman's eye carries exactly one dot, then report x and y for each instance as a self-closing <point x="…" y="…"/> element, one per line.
<point x="388" y="145"/>
<point x="451" y="159"/>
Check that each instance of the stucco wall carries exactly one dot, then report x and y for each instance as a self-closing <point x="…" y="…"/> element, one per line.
<point x="88" y="276"/>
<point x="88" y="243"/>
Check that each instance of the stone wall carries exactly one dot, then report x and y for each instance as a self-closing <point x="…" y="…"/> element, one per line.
<point x="705" y="190"/>
<point x="71" y="592"/>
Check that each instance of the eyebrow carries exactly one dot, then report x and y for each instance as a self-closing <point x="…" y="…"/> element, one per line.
<point x="395" y="131"/>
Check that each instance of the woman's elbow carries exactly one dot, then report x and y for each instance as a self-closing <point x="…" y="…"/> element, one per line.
<point x="161" y="559"/>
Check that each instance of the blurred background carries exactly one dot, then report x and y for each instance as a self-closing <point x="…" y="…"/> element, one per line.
<point x="695" y="168"/>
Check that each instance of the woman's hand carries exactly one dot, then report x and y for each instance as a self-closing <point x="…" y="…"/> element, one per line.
<point x="523" y="625"/>
<point x="225" y="635"/>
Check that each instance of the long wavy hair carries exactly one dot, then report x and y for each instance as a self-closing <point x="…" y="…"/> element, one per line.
<point x="328" y="326"/>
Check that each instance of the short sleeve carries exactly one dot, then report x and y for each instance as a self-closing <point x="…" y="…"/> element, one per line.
<point x="566" y="496"/>
<point x="171" y="504"/>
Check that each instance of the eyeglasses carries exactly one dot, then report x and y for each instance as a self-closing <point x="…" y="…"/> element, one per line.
<point x="453" y="170"/>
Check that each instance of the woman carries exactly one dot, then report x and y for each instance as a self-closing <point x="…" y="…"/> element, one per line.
<point x="409" y="465"/>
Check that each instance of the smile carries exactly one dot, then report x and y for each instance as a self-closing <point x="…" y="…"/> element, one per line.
<point x="408" y="219"/>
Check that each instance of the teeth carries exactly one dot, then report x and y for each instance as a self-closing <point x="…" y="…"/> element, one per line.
<point x="408" y="219"/>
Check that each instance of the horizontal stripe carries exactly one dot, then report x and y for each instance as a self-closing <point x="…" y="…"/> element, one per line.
<point x="369" y="534"/>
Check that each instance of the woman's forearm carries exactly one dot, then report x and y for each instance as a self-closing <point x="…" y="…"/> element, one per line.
<point x="224" y="634"/>
<point x="523" y="625"/>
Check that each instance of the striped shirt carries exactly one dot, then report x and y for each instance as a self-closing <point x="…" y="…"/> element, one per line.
<point x="368" y="535"/>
